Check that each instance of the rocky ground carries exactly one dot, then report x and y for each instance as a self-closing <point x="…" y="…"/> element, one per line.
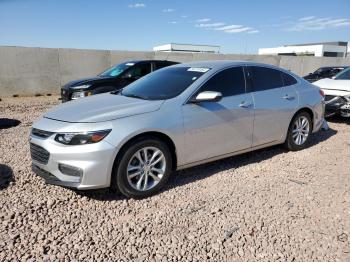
<point x="262" y="206"/>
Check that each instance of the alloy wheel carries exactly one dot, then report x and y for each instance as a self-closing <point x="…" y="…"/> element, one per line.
<point x="301" y="130"/>
<point x="146" y="168"/>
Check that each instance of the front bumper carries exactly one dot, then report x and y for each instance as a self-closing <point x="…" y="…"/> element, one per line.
<point x="95" y="161"/>
<point x="337" y="105"/>
<point x="51" y="179"/>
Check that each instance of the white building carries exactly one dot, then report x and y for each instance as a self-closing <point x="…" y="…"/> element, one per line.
<point x="187" y="48"/>
<point x="329" y="49"/>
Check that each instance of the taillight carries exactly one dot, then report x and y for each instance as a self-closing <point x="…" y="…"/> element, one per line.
<point x="321" y="93"/>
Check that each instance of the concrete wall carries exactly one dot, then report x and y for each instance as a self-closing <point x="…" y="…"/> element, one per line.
<point x="31" y="71"/>
<point x="28" y="71"/>
<point x="75" y="63"/>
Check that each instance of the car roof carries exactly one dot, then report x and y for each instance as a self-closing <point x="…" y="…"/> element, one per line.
<point x="146" y="60"/>
<point x="219" y="64"/>
<point x="330" y="67"/>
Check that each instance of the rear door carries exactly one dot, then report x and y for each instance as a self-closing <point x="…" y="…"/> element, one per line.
<point x="217" y="128"/>
<point x="273" y="104"/>
<point x="289" y="93"/>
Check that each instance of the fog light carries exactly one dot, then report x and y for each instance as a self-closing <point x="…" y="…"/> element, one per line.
<point x="70" y="170"/>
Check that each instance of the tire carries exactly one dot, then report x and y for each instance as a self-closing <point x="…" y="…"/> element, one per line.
<point x="301" y="132"/>
<point x="139" y="169"/>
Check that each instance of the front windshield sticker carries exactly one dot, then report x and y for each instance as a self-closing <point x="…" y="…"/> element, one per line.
<point x="129" y="64"/>
<point x="198" y="69"/>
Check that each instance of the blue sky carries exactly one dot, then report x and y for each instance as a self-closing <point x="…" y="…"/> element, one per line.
<point x="236" y="26"/>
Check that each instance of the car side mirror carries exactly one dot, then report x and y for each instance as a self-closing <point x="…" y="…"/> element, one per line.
<point x="207" y="96"/>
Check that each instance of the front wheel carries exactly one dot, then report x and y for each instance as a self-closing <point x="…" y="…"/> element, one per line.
<point x="299" y="132"/>
<point x="143" y="168"/>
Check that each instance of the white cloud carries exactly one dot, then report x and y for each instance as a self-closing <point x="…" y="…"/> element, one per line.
<point x="137" y="5"/>
<point x="168" y="10"/>
<point x="184" y="16"/>
<point x="253" y="32"/>
<point x="313" y="23"/>
<point x="228" y="27"/>
<point x="223" y="27"/>
<point x="306" y="18"/>
<point x="210" y="25"/>
<point x="237" y="29"/>
<point x="173" y="22"/>
<point x="203" y="20"/>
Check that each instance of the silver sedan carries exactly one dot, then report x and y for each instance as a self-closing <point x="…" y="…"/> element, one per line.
<point x="174" y="118"/>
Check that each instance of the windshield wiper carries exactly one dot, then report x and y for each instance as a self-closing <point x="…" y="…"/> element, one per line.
<point x="134" y="96"/>
<point x="117" y="92"/>
<point x="120" y="92"/>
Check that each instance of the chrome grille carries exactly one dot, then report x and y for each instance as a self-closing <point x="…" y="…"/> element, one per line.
<point x="39" y="154"/>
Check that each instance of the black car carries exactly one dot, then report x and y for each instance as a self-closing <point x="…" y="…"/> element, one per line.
<point x="112" y="79"/>
<point x="324" y="72"/>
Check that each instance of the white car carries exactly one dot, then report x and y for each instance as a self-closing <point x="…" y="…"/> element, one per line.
<point x="337" y="93"/>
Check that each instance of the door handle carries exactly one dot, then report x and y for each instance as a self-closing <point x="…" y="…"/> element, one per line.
<point x="288" y="97"/>
<point x="245" y="104"/>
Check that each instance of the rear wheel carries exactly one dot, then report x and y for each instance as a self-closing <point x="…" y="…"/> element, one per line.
<point x="299" y="132"/>
<point x="143" y="168"/>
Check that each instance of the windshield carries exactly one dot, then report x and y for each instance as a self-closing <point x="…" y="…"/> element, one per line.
<point x="116" y="70"/>
<point x="164" y="84"/>
<point x="343" y="75"/>
<point x="322" y="70"/>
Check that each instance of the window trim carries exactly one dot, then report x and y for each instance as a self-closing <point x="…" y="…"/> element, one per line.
<point x="187" y="101"/>
<point x="284" y="84"/>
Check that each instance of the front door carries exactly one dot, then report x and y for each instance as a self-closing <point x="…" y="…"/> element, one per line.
<point x="218" y="128"/>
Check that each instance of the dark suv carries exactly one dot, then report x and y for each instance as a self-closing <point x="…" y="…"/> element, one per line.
<point x="112" y="79"/>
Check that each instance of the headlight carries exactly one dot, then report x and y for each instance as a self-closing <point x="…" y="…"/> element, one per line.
<point x="77" y="95"/>
<point x="81" y="138"/>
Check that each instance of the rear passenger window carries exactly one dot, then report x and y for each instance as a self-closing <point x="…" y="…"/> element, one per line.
<point x="228" y="82"/>
<point x="288" y="80"/>
<point x="161" y="64"/>
<point x="263" y="78"/>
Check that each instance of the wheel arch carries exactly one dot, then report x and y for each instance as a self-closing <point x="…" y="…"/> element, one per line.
<point x="155" y="134"/>
<point x="307" y="110"/>
<point x="302" y="109"/>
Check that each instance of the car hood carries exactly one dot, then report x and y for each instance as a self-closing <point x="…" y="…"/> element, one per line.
<point x="85" y="81"/>
<point x="334" y="87"/>
<point x="100" y="108"/>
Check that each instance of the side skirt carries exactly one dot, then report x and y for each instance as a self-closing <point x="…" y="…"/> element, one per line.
<point x="204" y="161"/>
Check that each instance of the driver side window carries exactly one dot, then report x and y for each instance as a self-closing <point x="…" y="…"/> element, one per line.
<point x="228" y="82"/>
<point x="139" y="71"/>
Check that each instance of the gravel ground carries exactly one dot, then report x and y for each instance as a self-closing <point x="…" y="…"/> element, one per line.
<point x="262" y="206"/>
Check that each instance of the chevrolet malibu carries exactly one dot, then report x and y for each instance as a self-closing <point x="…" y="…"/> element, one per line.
<point x="174" y="118"/>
